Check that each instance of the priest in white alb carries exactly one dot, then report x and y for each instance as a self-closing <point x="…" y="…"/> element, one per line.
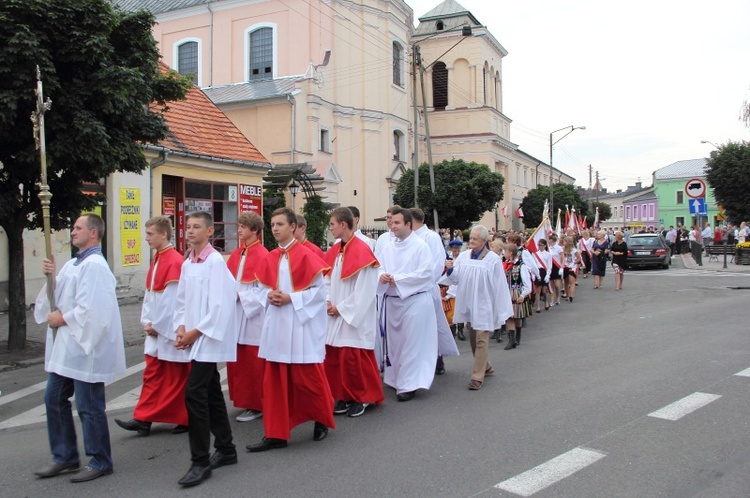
<point x="407" y="315"/>
<point x="482" y="298"/>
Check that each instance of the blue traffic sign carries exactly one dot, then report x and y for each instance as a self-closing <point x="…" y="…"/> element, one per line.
<point x="698" y="206"/>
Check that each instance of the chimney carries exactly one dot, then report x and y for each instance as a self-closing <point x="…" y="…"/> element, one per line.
<point x="619" y="191"/>
<point x="638" y="185"/>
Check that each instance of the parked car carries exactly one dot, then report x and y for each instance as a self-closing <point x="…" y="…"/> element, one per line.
<point x="648" y="249"/>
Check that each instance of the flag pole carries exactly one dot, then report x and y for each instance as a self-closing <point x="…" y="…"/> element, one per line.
<point x="45" y="196"/>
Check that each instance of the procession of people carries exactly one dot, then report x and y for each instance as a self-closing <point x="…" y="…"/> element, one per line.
<point x="305" y="335"/>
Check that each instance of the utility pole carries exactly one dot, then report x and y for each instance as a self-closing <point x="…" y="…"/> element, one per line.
<point x="597" y="183"/>
<point x="416" y="62"/>
<point x="590" y="172"/>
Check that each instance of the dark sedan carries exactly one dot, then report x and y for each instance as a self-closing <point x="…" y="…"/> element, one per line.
<point x="648" y="249"/>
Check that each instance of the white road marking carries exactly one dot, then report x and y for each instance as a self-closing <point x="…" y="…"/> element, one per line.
<point x="548" y="473"/>
<point x="685" y="406"/>
<point x="744" y="373"/>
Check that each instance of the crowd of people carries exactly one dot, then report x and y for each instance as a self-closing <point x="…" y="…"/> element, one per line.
<point x="305" y="334"/>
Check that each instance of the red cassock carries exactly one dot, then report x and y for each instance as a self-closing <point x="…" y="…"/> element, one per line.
<point x="294" y="393"/>
<point x="245" y="376"/>
<point x="353" y="373"/>
<point x="315" y="249"/>
<point x="163" y="393"/>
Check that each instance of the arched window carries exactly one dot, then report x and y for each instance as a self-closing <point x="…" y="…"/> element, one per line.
<point x="525" y="178"/>
<point x="440" y="25"/>
<point x="398" y="61"/>
<point x="439" y="86"/>
<point x="260" y="54"/>
<point x="398" y="145"/>
<point x="187" y="58"/>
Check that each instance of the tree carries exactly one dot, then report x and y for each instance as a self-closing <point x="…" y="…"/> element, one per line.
<point x="605" y="213"/>
<point x="317" y="218"/>
<point x="464" y="192"/>
<point x="728" y="174"/>
<point x="273" y="199"/>
<point x="565" y="194"/>
<point x="100" y="69"/>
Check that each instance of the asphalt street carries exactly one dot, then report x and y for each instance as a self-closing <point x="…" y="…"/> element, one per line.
<point x="630" y="393"/>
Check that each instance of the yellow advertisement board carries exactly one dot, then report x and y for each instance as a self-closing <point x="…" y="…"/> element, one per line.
<point x="130" y="226"/>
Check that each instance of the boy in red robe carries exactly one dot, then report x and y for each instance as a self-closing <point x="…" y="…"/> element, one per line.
<point x="300" y="233"/>
<point x="352" y="284"/>
<point x="245" y="376"/>
<point x="167" y="368"/>
<point x="295" y="388"/>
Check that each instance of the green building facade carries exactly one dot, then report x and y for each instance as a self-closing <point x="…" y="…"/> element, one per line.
<point x="674" y="202"/>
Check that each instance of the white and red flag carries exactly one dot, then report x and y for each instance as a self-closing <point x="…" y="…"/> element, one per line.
<point x="505" y="211"/>
<point x="519" y="212"/>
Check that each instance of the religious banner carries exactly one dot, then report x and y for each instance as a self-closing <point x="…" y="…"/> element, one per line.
<point x="130" y="226"/>
<point x="251" y="199"/>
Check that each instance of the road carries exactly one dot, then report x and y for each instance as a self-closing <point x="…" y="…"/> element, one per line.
<point x="643" y="392"/>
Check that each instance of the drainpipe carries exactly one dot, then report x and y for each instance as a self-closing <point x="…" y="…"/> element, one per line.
<point x="293" y="103"/>
<point x="210" y="47"/>
<point x="151" y="167"/>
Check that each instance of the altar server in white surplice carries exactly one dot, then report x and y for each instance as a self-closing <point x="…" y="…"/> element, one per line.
<point x="86" y="353"/>
<point x="482" y="298"/>
<point x="406" y="311"/>
<point x="446" y="342"/>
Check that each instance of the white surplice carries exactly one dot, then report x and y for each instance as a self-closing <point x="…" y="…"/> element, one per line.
<point x="446" y="343"/>
<point x="482" y="296"/>
<point x="250" y="308"/>
<point x="355" y="299"/>
<point x="294" y="332"/>
<point x="364" y="238"/>
<point x="158" y="310"/>
<point x="206" y="301"/>
<point x="408" y="314"/>
<point x="89" y="347"/>
<point x="384" y="239"/>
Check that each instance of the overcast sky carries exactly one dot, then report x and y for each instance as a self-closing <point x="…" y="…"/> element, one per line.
<point x="649" y="79"/>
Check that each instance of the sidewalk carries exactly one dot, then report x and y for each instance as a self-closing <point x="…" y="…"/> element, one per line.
<point x="733" y="267"/>
<point x="36" y="336"/>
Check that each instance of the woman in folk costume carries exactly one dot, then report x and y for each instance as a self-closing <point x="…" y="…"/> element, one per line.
<point x="571" y="263"/>
<point x="545" y="269"/>
<point x="519" y="283"/>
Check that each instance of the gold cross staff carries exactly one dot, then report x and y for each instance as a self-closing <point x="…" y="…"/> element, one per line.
<point x="45" y="196"/>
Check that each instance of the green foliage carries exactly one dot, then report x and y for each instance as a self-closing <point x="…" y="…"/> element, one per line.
<point x="318" y="218"/>
<point x="272" y="200"/>
<point x="728" y="174"/>
<point x="100" y="69"/>
<point x="565" y="194"/>
<point x="463" y="192"/>
<point x="605" y="213"/>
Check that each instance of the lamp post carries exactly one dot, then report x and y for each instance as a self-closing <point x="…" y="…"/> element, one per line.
<point x="418" y="66"/>
<point x="293" y="189"/>
<point x="709" y="142"/>
<point x="570" y="129"/>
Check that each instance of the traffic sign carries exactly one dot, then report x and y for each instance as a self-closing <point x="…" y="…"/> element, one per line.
<point x="698" y="206"/>
<point x="695" y="188"/>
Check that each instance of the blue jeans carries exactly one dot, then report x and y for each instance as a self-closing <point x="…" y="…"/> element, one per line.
<point x="91" y="410"/>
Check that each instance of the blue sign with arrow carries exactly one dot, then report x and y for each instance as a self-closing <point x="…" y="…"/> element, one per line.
<point x="698" y="206"/>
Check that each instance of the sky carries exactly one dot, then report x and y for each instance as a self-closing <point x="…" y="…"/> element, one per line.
<point x="649" y="79"/>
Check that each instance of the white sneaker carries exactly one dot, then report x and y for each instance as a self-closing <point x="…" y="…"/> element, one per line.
<point x="248" y="415"/>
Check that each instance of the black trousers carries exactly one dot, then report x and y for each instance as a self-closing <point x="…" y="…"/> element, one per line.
<point x="207" y="413"/>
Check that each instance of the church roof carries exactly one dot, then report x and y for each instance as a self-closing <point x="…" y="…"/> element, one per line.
<point x="253" y="90"/>
<point x="449" y="8"/>
<point x="683" y="169"/>
<point x="158" y="6"/>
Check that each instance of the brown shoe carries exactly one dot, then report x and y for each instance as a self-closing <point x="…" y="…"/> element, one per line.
<point x="489" y="371"/>
<point x="475" y="385"/>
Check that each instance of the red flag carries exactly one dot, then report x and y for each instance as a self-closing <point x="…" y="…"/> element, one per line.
<point x="519" y="213"/>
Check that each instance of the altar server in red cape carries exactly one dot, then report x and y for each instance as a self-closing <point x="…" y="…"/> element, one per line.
<point x="300" y="233"/>
<point x="351" y="285"/>
<point x="295" y="388"/>
<point x="245" y="376"/>
<point x="167" y="368"/>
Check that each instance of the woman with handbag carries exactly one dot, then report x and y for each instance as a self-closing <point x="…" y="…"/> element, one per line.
<point x="600" y="250"/>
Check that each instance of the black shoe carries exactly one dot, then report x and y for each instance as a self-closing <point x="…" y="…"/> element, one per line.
<point x="460" y="334"/>
<point x="340" y="407"/>
<point x="267" y="443"/>
<point x="89" y="474"/>
<point x="179" y="429"/>
<point x="219" y="459"/>
<point x="195" y="475"/>
<point x="511" y="340"/>
<point x="518" y="337"/>
<point x="143" y="428"/>
<point x="407" y="396"/>
<point x="55" y="469"/>
<point x="356" y="409"/>
<point x="319" y="432"/>
<point x="440" y="366"/>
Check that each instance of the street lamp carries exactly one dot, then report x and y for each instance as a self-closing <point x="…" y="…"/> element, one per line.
<point x="709" y="142"/>
<point x="417" y="65"/>
<point x="570" y="129"/>
<point x="293" y="189"/>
